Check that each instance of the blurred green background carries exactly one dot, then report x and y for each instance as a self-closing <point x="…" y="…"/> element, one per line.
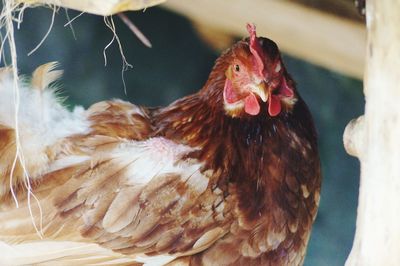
<point x="177" y="65"/>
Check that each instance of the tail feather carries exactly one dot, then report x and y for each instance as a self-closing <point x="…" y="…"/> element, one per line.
<point x="44" y="75"/>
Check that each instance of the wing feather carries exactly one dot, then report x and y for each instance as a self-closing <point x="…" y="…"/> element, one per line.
<point x="138" y="197"/>
<point x="121" y="190"/>
<point x="123" y="209"/>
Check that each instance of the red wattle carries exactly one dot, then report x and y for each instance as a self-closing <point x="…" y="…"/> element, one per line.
<point x="251" y="105"/>
<point x="274" y="105"/>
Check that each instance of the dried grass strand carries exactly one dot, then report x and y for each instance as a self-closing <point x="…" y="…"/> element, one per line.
<point x="6" y="20"/>
<point x="3" y="54"/>
<point x="21" y="13"/>
<point x="69" y="23"/>
<point x="109" y="21"/>
<point x="135" y="30"/>
<point x="73" y="19"/>
<point x="47" y="33"/>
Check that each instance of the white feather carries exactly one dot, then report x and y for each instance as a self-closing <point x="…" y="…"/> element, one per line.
<point x="42" y="121"/>
<point x="155" y="260"/>
<point x="158" y="156"/>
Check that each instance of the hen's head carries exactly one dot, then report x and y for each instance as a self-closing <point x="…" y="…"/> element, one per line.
<point x="254" y="78"/>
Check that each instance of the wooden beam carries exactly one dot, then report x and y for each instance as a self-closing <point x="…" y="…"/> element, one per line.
<point x="300" y="31"/>
<point x="97" y="7"/>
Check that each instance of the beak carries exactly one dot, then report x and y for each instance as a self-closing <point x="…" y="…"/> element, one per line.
<point x="261" y="91"/>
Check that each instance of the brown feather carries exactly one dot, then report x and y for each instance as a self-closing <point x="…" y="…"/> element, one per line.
<point x="44" y="75"/>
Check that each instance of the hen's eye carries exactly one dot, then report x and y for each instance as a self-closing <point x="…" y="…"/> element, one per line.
<point x="237" y="68"/>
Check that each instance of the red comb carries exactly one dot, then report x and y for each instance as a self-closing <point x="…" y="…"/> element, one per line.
<point x="256" y="49"/>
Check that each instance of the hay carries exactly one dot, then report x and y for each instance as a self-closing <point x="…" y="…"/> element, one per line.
<point x="7" y="16"/>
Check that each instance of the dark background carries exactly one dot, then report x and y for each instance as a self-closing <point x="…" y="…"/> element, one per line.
<point x="177" y="65"/>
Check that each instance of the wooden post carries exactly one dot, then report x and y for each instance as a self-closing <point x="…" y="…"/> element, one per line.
<point x="375" y="140"/>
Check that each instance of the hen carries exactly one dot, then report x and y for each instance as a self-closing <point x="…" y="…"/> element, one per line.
<point x="227" y="176"/>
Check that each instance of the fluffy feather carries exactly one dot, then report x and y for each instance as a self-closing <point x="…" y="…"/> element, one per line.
<point x="42" y="122"/>
<point x="44" y="75"/>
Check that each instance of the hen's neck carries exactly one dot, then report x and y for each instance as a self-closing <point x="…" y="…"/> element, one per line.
<point x="190" y="120"/>
<point x="223" y="141"/>
<point x="196" y="119"/>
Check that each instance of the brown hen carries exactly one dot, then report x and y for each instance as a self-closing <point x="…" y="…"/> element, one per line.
<point x="227" y="176"/>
